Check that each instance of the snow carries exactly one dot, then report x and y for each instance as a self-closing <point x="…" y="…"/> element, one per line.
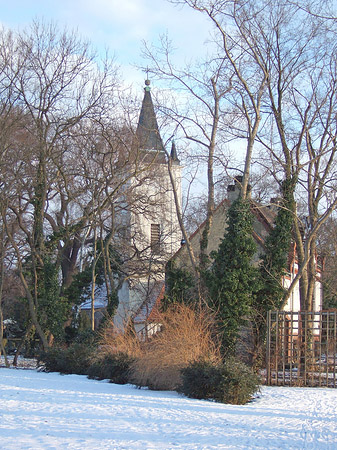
<point x="49" y="411"/>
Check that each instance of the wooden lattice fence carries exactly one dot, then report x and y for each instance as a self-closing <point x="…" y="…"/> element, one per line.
<point x="301" y="348"/>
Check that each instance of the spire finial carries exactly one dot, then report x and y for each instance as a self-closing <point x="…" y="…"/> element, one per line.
<point x="147" y="81"/>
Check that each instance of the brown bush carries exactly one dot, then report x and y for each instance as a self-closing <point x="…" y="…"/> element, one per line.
<point x="186" y="336"/>
<point x="114" y="341"/>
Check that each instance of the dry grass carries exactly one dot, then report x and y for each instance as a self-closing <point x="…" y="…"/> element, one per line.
<point x="114" y="341"/>
<point x="186" y="337"/>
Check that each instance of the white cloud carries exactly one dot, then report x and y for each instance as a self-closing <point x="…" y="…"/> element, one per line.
<point x="119" y="25"/>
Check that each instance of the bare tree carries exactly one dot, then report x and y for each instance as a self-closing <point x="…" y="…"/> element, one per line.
<point x="284" y="53"/>
<point x="197" y="115"/>
<point x="54" y="82"/>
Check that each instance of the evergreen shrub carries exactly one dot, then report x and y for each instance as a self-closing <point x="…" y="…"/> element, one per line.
<point x="75" y="359"/>
<point x="233" y="280"/>
<point x="72" y="360"/>
<point x="114" y="367"/>
<point x="116" y="351"/>
<point x="229" y="382"/>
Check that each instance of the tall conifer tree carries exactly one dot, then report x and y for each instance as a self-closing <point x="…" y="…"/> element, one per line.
<point x="233" y="280"/>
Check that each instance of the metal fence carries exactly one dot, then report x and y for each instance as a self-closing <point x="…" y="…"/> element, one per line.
<point x="301" y="348"/>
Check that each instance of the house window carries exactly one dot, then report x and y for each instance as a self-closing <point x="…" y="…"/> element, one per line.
<point x="155" y="237"/>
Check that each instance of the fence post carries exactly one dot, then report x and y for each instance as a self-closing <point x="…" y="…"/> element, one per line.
<point x="268" y="375"/>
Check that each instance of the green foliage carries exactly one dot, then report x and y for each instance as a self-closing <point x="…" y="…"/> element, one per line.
<point x="114" y="367"/>
<point x="18" y="311"/>
<point x="179" y="286"/>
<point x="82" y="358"/>
<point x="233" y="280"/>
<point x="275" y="259"/>
<point x="330" y="296"/>
<point x="78" y="288"/>
<point x="74" y="359"/>
<point x="201" y="380"/>
<point x="61" y="234"/>
<point x="53" y="309"/>
<point x="87" y="337"/>
<point x="230" y="382"/>
<point x="112" y="303"/>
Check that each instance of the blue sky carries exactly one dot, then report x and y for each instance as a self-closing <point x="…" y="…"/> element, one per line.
<point x="119" y="25"/>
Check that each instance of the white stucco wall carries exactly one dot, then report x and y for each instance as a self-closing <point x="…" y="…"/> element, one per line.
<point x="155" y="204"/>
<point x="293" y="303"/>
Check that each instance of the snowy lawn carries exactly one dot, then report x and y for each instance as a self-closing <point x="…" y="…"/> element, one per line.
<point x="50" y="411"/>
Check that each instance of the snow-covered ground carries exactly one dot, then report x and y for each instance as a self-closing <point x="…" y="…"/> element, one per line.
<point x="50" y="411"/>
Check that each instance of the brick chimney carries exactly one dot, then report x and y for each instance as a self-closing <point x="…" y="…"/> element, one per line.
<point x="234" y="190"/>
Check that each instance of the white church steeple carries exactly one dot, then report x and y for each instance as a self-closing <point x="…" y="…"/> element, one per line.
<point x="154" y="229"/>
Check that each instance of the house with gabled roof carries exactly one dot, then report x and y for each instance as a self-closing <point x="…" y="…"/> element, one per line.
<point x="264" y="216"/>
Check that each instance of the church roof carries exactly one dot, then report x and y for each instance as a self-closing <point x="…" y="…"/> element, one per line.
<point x="147" y="133"/>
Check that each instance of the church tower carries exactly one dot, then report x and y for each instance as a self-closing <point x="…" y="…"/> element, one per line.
<point x="153" y="227"/>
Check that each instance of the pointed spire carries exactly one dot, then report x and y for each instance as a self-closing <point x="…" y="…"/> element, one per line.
<point x="174" y="155"/>
<point x="147" y="133"/>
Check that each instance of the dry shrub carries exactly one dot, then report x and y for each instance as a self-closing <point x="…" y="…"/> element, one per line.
<point x="115" y="341"/>
<point x="116" y="351"/>
<point x="186" y="336"/>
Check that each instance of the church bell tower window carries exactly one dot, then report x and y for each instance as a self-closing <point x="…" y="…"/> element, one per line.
<point x="155" y="237"/>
